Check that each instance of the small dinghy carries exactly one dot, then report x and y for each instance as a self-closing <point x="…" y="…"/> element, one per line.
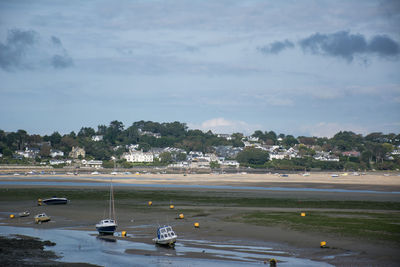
<point x="165" y="236"/>
<point x="24" y="214"/>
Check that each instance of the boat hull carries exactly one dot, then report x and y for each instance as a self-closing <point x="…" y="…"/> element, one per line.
<point x="55" y="201"/>
<point x="106" y="230"/>
<point x="165" y="242"/>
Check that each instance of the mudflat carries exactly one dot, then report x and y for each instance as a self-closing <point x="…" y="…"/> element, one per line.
<point x="360" y="228"/>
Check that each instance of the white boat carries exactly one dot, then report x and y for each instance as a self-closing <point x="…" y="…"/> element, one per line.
<point x="109" y="225"/>
<point x="165" y="236"/>
<point x="24" y="214"/>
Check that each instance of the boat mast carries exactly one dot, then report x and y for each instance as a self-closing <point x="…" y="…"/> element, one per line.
<point x="112" y="209"/>
<point x="110" y="203"/>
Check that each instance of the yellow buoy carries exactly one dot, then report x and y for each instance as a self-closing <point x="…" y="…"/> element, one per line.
<point x="150" y="203"/>
<point x="12" y="216"/>
<point x="39" y="202"/>
<point x="323" y="244"/>
<point x="196" y="225"/>
<point x="272" y="262"/>
<point x="303" y="214"/>
<point x="171" y="206"/>
<point x="123" y="233"/>
<point x="181" y="216"/>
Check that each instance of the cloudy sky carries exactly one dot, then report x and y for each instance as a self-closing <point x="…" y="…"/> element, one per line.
<point x="294" y="67"/>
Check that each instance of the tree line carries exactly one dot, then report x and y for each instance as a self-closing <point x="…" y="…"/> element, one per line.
<point x="374" y="148"/>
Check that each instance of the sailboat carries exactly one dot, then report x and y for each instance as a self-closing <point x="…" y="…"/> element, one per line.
<point x="109" y="225"/>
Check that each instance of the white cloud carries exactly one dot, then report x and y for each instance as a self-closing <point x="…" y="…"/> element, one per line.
<point x="221" y="125"/>
<point x="329" y="129"/>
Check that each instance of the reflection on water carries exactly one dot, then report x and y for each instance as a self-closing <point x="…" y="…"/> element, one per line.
<point x="227" y="187"/>
<point x="86" y="246"/>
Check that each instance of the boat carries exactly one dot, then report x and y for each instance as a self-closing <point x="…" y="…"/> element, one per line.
<point x="42" y="217"/>
<point x="165" y="236"/>
<point x="53" y="201"/>
<point x="24" y="214"/>
<point x="109" y="225"/>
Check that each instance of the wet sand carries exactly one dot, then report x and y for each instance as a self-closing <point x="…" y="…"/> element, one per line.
<point x="141" y="220"/>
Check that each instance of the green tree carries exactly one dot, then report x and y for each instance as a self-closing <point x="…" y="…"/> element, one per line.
<point x="214" y="165"/>
<point x="166" y="157"/>
<point x="289" y="141"/>
<point x="181" y="157"/>
<point x="86" y="132"/>
<point x="253" y="156"/>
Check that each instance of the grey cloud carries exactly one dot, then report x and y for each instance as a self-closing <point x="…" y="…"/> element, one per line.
<point x="61" y="61"/>
<point x="276" y="47"/>
<point x="12" y="52"/>
<point x="384" y="46"/>
<point x="26" y="50"/>
<point x="56" y="41"/>
<point x="345" y="45"/>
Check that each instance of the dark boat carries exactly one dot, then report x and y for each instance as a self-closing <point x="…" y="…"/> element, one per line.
<point x="54" y="201"/>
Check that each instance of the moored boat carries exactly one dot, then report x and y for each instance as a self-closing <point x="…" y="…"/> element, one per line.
<point x="42" y="217"/>
<point x="53" y="201"/>
<point x="24" y="214"/>
<point x="165" y="236"/>
<point x="109" y="225"/>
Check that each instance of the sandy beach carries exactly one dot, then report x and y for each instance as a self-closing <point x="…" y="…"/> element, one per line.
<point x="219" y="221"/>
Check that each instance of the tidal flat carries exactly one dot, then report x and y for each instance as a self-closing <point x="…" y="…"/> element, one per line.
<point x="360" y="229"/>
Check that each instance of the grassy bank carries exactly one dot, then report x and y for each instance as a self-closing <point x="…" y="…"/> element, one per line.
<point x="367" y="225"/>
<point x="227" y="199"/>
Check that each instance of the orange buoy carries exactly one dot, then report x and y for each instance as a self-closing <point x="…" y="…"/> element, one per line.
<point x="12" y="216"/>
<point x="181" y="216"/>
<point x="196" y="225"/>
<point x="171" y="206"/>
<point x="303" y="214"/>
<point x="323" y="244"/>
<point x="123" y="233"/>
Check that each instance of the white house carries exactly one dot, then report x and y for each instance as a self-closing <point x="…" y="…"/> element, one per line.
<point x="60" y="161"/>
<point x="229" y="163"/>
<point x="226" y="136"/>
<point x="92" y="163"/>
<point x="278" y="155"/>
<point x="56" y="153"/>
<point x="138" y="156"/>
<point x="97" y="138"/>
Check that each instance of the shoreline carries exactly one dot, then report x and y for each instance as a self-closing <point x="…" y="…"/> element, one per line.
<point x="368" y="182"/>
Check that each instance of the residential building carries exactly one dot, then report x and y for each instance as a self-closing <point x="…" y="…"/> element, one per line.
<point x="229" y="163"/>
<point x="138" y="156"/>
<point x="351" y="153"/>
<point x="97" y="138"/>
<point x="76" y="152"/>
<point x="56" y="153"/>
<point x="225" y="136"/>
<point x="92" y="163"/>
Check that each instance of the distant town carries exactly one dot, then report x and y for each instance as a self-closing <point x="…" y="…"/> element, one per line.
<point x="174" y="146"/>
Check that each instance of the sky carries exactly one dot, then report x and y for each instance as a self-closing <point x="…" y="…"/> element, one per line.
<point x="310" y="67"/>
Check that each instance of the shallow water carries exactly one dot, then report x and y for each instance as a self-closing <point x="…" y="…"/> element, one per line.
<point x="85" y="246"/>
<point x="100" y="184"/>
